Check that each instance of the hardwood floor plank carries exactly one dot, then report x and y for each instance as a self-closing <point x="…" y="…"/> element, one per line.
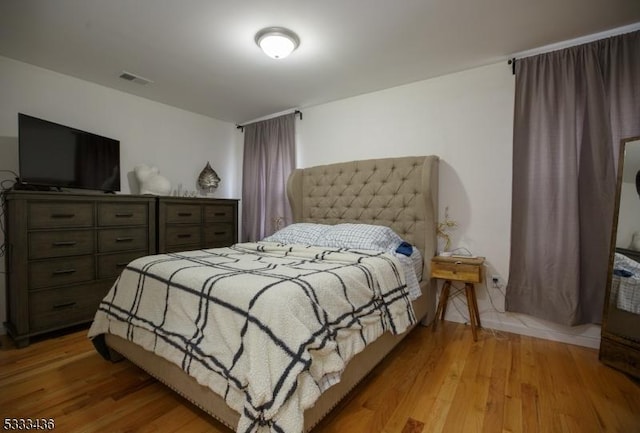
<point x="607" y="391"/>
<point x="413" y="426"/>
<point x="423" y="377"/>
<point x="174" y="420"/>
<point x="574" y="406"/>
<point x="495" y="402"/>
<point x="513" y="420"/>
<point x="471" y="392"/>
<point x="434" y="423"/>
<point x="493" y="419"/>
<point x="433" y="382"/>
<point x="432" y="407"/>
<point x="514" y="369"/>
<point x="530" y="409"/>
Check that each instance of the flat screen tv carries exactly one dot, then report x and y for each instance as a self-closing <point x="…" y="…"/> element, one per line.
<point x="58" y="156"/>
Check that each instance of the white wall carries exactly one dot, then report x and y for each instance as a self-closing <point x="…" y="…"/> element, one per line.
<point x="467" y="120"/>
<point x="178" y="142"/>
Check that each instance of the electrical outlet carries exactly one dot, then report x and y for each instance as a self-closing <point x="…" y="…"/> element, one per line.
<point x="495" y="279"/>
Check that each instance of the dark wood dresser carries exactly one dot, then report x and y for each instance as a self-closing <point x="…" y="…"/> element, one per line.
<point x="194" y="223"/>
<point x="65" y="250"/>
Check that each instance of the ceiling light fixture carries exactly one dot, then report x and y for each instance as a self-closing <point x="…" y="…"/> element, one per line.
<point x="277" y="42"/>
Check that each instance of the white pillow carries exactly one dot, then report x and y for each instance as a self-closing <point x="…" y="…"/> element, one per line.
<point x="362" y="236"/>
<point x="299" y="233"/>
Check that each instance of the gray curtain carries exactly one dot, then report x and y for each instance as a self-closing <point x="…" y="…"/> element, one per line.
<point x="572" y="107"/>
<point x="269" y="158"/>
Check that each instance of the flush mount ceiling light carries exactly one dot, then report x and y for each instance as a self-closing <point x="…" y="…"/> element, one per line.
<point x="277" y="42"/>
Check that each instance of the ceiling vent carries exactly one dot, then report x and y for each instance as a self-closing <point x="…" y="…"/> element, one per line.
<point x="135" y="78"/>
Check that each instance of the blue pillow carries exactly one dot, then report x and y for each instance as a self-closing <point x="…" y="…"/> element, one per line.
<point x="622" y="273"/>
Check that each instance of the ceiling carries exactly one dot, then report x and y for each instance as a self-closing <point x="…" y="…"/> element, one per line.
<point x="201" y="54"/>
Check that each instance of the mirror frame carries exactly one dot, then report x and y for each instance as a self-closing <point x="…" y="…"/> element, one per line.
<point x="616" y="350"/>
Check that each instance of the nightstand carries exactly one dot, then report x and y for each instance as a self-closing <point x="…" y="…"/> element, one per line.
<point x="465" y="269"/>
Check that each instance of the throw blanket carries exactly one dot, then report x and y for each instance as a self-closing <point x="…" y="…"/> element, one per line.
<point x="275" y="324"/>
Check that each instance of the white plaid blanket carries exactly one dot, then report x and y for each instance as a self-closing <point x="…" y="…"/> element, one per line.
<point x="274" y="322"/>
<point x="628" y="287"/>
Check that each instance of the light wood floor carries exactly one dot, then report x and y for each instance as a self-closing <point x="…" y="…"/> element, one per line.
<point x="433" y="382"/>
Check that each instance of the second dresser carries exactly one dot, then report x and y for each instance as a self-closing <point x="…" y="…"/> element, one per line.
<point x="196" y="223"/>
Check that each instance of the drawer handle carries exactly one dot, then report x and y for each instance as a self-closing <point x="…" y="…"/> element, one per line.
<point x="64" y="243"/>
<point x="64" y="271"/>
<point x="220" y="214"/>
<point x="124" y="215"/>
<point x="184" y="235"/>
<point x="184" y="214"/>
<point x="121" y="264"/>
<point x="124" y="239"/>
<point x="219" y="233"/>
<point x="62" y="215"/>
<point x="63" y="306"/>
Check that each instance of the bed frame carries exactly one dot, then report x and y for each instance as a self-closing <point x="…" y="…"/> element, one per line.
<point x="401" y="193"/>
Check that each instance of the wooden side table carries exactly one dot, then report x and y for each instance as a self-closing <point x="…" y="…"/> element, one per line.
<point x="465" y="269"/>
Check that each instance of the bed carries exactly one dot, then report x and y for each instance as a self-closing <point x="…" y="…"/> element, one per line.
<point x="397" y="193"/>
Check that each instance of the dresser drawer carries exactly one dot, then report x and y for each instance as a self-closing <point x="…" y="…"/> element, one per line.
<point x="218" y="235"/>
<point x="183" y="235"/>
<point x="54" y="308"/>
<point x="60" y="243"/>
<point x="456" y="271"/>
<point x="122" y="214"/>
<point x="110" y="265"/>
<point x="56" y="215"/>
<point x="110" y="240"/>
<point x="56" y="272"/>
<point x="183" y="213"/>
<point x="218" y="213"/>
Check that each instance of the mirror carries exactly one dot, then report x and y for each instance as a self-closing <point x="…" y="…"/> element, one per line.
<point x="620" y="342"/>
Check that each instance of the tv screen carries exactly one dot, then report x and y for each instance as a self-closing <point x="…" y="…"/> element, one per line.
<point x="59" y="156"/>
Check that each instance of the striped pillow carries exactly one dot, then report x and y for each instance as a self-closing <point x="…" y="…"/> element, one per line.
<point x="361" y="236"/>
<point x="299" y="233"/>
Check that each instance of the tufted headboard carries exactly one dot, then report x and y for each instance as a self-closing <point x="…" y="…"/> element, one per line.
<point x="401" y="193"/>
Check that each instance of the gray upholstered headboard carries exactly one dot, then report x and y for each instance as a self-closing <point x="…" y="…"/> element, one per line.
<point x="401" y="193"/>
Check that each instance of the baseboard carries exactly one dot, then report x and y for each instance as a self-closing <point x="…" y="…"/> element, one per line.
<point x="544" y="333"/>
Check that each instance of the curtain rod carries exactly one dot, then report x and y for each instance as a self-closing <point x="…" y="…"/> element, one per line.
<point x="572" y="43"/>
<point x="241" y="127"/>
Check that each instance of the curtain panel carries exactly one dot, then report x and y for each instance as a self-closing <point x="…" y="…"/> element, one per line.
<point x="269" y="158"/>
<point x="572" y="108"/>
